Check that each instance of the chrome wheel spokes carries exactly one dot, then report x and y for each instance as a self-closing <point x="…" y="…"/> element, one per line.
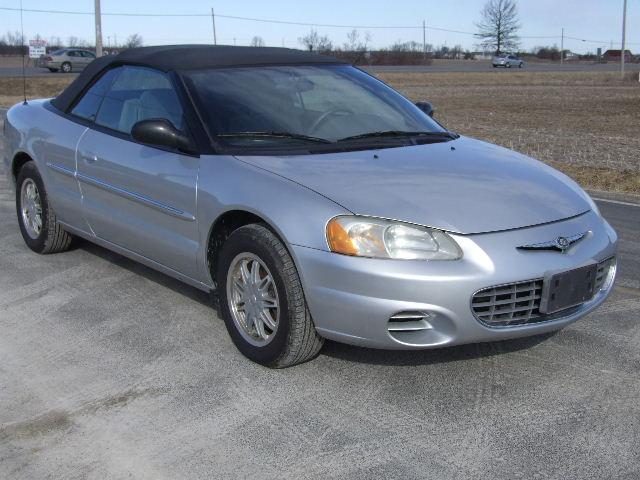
<point x="253" y="298"/>
<point x="31" y="208"/>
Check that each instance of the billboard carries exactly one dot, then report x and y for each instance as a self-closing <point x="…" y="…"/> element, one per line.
<point x="37" y="48"/>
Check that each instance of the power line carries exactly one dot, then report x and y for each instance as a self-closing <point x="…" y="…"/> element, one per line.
<point x="285" y="22"/>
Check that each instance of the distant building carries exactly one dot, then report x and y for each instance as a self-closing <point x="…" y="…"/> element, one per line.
<point x="614" y="56"/>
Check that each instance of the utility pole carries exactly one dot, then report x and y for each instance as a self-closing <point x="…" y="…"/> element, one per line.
<point x="213" y="21"/>
<point x="424" y="38"/>
<point x="624" y="28"/>
<point x="562" y="47"/>
<point x="98" y="28"/>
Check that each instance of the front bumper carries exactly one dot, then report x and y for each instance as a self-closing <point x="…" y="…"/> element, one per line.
<point x="352" y="299"/>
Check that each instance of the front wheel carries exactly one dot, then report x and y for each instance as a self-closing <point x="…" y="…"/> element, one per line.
<point x="40" y="230"/>
<point x="261" y="299"/>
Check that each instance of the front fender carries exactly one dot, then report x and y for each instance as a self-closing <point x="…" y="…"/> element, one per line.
<point x="295" y="212"/>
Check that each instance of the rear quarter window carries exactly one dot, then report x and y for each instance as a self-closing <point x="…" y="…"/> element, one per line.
<point x="90" y="102"/>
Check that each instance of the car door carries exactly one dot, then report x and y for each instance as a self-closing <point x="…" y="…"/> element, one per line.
<point x="74" y="58"/>
<point x="135" y="196"/>
<point x="86" y="58"/>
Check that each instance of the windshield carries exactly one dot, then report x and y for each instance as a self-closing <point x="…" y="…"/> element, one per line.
<point x="290" y="105"/>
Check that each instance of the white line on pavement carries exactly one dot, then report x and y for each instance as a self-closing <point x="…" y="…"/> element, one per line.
<point x="617" y="202"/>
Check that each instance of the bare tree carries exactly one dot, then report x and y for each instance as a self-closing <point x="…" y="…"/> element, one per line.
<point x="354" y="44"/>
<point x="133" y="41"/>
<point x="14" y="39"/>
<point x="257" y="41"/>
<point x="310" y="40"/>
<point x="72" y="41"/>
<point x="55" y="41"/>
<point x="498" y="25"/>
<point x="353" y="38"/>
<point x="314" y="42"/>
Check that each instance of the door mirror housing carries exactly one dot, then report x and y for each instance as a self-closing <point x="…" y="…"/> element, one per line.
<point x="161" y="133"/>
<point x="426" y="107"/>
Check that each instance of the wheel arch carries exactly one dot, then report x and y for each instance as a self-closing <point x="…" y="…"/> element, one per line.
<point x="225" y="224"/>
<point x="18" y="161"/>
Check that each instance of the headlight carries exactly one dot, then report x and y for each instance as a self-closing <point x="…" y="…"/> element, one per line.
<point x="378" y="238"/>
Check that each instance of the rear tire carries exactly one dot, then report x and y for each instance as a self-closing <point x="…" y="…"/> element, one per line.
<point x="40" y="230"/>
<point x="288" y="336"/>
<point x="66" y="67"/>
<point x="53" y="70"/>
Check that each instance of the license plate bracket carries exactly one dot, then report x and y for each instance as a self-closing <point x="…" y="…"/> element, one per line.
<point x="568" y="288"/>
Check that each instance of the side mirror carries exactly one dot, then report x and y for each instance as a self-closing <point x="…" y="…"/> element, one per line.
<point x="426" y="107"/>
<point x="160" y="132"/>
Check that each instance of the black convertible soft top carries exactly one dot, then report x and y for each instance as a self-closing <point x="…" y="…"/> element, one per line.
<point x="189" y="57"/>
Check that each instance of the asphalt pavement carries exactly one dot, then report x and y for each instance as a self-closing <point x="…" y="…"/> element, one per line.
<point x="111" y="370"/>
<point x="439" y="66"/>
<point x="32" y="72"/>
<point x="484" y="66"/>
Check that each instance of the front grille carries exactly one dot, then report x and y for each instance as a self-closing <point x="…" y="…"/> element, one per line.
<point x="511" y="304"/>
<point x="603" y="272"/>
<point x="519" y="303"/>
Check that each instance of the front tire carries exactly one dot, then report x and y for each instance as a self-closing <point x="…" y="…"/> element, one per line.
<point x="40" y="230"/>
<point x="66" y="67"/>
<point x="261" y="300"/>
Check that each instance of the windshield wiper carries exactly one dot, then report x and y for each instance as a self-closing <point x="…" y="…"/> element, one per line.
<point x="286" y="135"/>
<point x="401" y="133"/>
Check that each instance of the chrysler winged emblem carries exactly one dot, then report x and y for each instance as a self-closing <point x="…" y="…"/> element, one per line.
<point x="560" y="244"/>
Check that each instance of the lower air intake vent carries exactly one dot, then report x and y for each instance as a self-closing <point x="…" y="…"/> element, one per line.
<point x="409" y="322"/>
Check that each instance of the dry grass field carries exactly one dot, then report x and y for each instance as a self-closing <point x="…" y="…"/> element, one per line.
<point x="586" y="124"/>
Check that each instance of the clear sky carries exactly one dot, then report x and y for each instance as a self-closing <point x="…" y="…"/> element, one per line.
<point x="599" y="21"/>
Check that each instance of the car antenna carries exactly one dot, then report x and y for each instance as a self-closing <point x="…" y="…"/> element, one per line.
<point x="24" y="75"/>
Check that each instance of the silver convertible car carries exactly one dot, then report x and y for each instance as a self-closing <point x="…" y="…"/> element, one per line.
<point x="315" y="201"/>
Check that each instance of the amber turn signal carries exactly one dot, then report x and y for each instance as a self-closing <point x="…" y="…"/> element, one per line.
<point x="339" y="240"/>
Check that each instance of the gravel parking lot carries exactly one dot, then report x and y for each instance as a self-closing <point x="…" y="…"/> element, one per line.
<point x="111" y="370"/>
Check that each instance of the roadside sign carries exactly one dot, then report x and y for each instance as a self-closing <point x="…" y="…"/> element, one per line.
<point x="37" y="48"/>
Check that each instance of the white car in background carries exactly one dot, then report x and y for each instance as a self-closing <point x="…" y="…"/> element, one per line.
<point x="507" y="61"/>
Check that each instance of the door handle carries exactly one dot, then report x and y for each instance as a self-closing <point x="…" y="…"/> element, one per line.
<point x="90" y="159"/>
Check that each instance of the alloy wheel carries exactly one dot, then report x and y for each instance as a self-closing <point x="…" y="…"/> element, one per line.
<point x="31" y="208"/>
<point x="253" y="299"/>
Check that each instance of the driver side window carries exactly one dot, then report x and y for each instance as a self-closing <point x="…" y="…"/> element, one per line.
<point x="139" y="93"/>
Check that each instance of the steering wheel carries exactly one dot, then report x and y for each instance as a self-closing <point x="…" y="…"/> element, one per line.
<point x="323" y="118"/>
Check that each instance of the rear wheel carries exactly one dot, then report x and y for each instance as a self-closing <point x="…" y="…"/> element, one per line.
<point x="53" y="70"/>
<point x="40" y="230"/>
<point x="261" y="299"/>
<point x="65" y="67"/>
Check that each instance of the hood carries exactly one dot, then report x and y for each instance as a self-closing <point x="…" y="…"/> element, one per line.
<point x="462" y="186"/>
